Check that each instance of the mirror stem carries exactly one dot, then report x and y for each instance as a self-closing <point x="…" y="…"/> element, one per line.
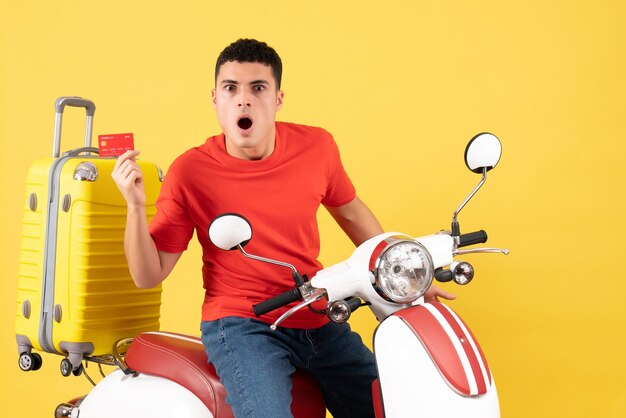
<point x="456" y="231"/>
<point x="294" y="272"/>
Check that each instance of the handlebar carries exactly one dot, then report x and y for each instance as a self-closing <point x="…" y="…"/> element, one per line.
<point x="276" y="302"/>
<point x="471" y="238"/>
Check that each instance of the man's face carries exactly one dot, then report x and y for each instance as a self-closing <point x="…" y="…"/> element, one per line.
<point x="246" y="101"/>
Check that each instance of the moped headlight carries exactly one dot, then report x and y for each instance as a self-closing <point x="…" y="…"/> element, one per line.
<point x="403" y="271"/>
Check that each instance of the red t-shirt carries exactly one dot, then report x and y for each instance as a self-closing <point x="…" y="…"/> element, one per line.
<point x="279" y="195"/>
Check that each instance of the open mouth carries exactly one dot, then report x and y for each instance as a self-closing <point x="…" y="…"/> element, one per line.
<point x="244" y="123"/>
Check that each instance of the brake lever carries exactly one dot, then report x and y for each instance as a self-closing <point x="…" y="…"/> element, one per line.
<point x="481" y="250"/>
<point x="314" y="296"/>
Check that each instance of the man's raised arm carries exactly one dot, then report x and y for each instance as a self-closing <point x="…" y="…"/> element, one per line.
<point x="148" y="266"/>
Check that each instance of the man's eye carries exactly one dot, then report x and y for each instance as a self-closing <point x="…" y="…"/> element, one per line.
<point x="229" y="87"/>
<point x="259" y="88"/>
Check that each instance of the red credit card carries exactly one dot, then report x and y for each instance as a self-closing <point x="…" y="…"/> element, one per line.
<point x="113" y="145"/>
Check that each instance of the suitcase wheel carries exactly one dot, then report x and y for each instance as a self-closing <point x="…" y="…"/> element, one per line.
<point x="78" y="371"/>
<point x="30" y="361"/>
<point x="66" y="367"/>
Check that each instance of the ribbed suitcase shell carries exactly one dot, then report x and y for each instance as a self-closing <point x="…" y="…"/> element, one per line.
<point x="79" y="299"/>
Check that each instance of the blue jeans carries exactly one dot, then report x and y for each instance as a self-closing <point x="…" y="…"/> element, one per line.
<point x="255" y="366"/>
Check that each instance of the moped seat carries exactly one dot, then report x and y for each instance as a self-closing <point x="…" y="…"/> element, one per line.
<point x="182" y="359"/>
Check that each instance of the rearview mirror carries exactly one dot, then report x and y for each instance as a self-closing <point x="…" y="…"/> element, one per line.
<point x="483" y="152"/>
<point x="229" y="231"/>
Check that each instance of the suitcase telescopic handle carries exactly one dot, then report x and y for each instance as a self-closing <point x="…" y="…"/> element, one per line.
<point x="73" y="101"/>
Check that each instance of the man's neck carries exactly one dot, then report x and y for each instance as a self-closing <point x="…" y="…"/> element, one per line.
<point x="253" y="153"/>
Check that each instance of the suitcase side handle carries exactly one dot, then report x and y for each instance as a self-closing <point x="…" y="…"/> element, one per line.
<point x="75" y="152"/>
<point x="59" y="106"/>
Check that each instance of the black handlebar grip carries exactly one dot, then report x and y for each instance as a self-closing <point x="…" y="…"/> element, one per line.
<point x="472" y="238"/>
<point x="276" y="302"/>
<point x="354" y="303"/>
<point x="443" y="275"/>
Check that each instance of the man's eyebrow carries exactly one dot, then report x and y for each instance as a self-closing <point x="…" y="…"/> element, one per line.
<point x="255" y="82"/>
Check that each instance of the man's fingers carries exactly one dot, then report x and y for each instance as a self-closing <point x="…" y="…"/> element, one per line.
<point x="127" y="168"/>
<point x="128" y="155"/>
<point x="448" y="296"/>
<point x="434" y="293"/>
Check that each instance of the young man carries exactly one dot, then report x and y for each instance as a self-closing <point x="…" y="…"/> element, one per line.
<point x="276" y="174"/>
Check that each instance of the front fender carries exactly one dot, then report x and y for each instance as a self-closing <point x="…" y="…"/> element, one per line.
<point x="430" y="363"/>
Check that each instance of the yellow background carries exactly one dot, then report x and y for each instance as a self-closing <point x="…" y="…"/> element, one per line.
<point x="402" y="85"/>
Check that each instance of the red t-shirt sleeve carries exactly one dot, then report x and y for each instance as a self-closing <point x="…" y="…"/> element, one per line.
<point x="172" y="228"/>
<point x="340" y="190"/>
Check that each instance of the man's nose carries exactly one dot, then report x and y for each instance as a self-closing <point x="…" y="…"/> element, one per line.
<point x="244" y="99"/>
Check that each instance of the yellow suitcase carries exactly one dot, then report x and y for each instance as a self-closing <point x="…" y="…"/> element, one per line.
<point x="75" y="294"/>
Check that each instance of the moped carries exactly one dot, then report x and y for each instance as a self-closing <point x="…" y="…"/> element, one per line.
<point x="429" y="362"/>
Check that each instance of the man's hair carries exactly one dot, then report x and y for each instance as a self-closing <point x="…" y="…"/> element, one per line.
<point x="251" y="50"/>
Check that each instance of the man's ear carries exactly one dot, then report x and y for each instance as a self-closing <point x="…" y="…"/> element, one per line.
<point x="213" y="98"/>
<point x="279" y="100"/>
